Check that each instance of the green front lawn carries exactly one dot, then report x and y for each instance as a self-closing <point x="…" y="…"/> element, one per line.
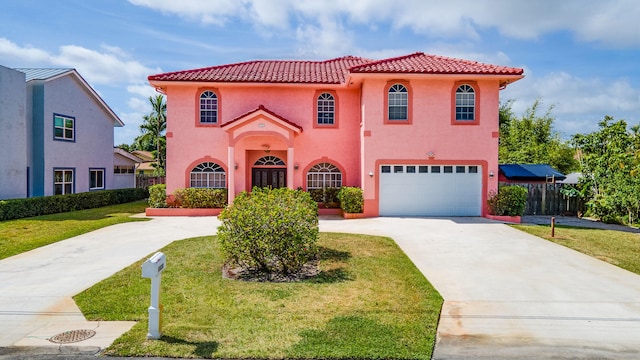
<point x="616" y="247"/>
<point x="369" y="302"/>
<point x="18" y="236"/>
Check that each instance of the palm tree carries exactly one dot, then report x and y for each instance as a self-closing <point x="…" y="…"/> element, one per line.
<point x="153" y="129"/>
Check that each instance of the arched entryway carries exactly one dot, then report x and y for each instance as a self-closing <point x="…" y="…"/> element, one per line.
<point x="269" y="171"/>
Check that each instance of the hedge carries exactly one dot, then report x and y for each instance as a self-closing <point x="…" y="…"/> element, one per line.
<point x="351" y="199"/>
<point x="36" y="206"/>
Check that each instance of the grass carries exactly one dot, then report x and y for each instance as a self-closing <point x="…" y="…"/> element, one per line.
<point x="369" y="302"/>
<point x="21" y="235"/>
<point x="615" y="247"/>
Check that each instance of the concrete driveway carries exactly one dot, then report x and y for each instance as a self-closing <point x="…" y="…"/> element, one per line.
<point x="510" y="295"/>
<point x="507" y="294"/>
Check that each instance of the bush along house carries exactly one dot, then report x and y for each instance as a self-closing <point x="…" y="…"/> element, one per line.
<point x="418" y="133"/>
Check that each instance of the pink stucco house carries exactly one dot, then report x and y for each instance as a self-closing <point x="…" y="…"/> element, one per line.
<point x="418" y="133"/>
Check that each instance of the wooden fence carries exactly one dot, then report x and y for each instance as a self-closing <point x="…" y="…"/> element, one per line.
<point x="146" y="181"/>
<point x="546" y="199"/>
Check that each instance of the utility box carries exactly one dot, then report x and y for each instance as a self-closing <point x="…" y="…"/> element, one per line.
<point x="153" y="268"/>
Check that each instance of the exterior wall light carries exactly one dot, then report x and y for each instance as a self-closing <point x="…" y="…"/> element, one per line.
<point x="295" y="166"/>
<point x="371" y="173"/>
<point x="490" y="173"/>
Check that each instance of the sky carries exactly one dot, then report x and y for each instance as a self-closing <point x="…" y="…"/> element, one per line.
<point x="580" y="56"/>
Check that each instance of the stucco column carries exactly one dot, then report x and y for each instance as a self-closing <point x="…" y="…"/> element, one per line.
<point x="231" y="175"/>
<point x="290" y="168"/>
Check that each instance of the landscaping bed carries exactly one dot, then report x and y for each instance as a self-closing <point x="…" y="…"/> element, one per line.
<point x="368" y="301"/>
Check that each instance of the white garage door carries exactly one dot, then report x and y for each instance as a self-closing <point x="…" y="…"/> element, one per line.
<point x="430" y="190"/>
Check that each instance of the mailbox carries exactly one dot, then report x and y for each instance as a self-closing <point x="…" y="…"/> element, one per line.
<point x="153" y="268"/>
<point x="154" y="265"/>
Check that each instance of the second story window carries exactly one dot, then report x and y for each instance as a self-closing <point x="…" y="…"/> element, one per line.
<point x="398" y="102"/>
<point x="465" y="103"/>
<point x="326" y="109"/>
<point x="63" y="127"/>
<point x="208" y="107"/>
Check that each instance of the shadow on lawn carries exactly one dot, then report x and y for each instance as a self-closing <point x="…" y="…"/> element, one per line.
<point x="204" y="349"/>
<point x="334" y="275"/>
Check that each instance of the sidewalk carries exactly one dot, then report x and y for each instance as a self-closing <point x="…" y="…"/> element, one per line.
<point x="36" y="287"/>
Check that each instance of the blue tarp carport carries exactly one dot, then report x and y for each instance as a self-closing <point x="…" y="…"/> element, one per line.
<point x="530" y="172"/>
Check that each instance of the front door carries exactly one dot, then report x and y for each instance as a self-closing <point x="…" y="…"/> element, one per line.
<point x="269" y="177"/>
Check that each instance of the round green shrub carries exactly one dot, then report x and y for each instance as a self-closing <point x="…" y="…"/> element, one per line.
<point x="272" y="231"/>
<point x="158" y="196"/>
<point x="351" y="199"/>
<point x="509" y="201"/>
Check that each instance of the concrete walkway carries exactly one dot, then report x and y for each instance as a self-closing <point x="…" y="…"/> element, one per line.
<point x="36" y="287"/>
<point x="507" y="294"/>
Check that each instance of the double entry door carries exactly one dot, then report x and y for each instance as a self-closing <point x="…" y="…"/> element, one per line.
<point x="269" y="177"/>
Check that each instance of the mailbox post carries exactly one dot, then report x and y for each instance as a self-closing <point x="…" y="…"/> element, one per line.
<point x="152" y="268"/>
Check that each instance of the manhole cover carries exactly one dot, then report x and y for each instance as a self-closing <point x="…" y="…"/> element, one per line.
<point x="72" y="336"/>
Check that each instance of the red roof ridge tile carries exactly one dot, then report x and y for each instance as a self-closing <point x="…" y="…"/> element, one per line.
<point x="381" y="61"/>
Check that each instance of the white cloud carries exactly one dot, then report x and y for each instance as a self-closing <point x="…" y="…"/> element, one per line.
<point x="142" y="90"/>
<point x="204" y="11"/>
<point x="611" y="22"/>
<point x="131" y="129"/>
<point x="28" y="53"/>
<point x="579" y="102"/>
<point x="101" y="68"/>
<point x="328" y="39"/>
<point x="96" y="67"/>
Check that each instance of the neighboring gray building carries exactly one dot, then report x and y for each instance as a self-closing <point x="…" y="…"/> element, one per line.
<point x="13" y="134"/>
<point x="68" y="142"/>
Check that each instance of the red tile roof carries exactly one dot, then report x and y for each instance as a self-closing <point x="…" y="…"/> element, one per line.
<point x="334" y="71"/>
<point x="271" y="71"/>
<point x="420" y="63"/>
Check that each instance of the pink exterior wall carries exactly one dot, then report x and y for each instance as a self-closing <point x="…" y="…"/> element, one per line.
<point x="355" y="149"/>
<point x="431" y="130"/>
<point x="189" y="145"/>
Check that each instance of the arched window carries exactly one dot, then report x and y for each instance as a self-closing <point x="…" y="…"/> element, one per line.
<point x="326" y="109"/>
<point x="208" y="107"/>
<point x="208" y="175"/>
<point x="398" y="102"/>
<point x="324" y="175"/>
<point x="465" y="103"/>
<point x="269" y="161"/>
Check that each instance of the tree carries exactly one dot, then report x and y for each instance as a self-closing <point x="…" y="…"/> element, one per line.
<point x="153" y="130"/>
<point x="610" y="160"/>
<point x="530" y="139"/>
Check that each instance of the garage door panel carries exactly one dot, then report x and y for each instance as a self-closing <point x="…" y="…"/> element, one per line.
<point x="454" y="193"/>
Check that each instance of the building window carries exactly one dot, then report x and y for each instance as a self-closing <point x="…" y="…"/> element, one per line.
<point x="465" y="103"/>
<point x="326" y="109"/>
<point x="62" y="181"/>
<point x="64" y="127"/>
<point x="324" y="175"/>
<point x="96" y="179"/>
<point x="208" y="175"/>
<point x="398" y="102"/>
<point x="208" y="107"/>
<point x="123" y="169"/>
<point x="269" y="161"/>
